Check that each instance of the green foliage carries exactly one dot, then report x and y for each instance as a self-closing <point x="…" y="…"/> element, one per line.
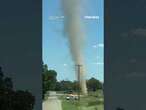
<point x="94" y="84"/>
<point x="58" y="86"/>
<point x="66" y="105"/>
<point x="50" y="82"/>
<point x="49" y="79"/>
<point x="85" y="103"/>
<point x="92" y="103"/>
<point x="75" y="86"/>
<point x="66" y="85"/>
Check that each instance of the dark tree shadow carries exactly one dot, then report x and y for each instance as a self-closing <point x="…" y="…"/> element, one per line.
<point x="11" y="99"/>
<point x="119" y="108"/>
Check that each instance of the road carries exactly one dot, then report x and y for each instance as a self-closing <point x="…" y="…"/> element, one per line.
<point x="52" y="103"/>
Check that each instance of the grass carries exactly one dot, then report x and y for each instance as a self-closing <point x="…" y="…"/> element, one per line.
<point x="66" y="105"/>
<point x="89" y="102"/>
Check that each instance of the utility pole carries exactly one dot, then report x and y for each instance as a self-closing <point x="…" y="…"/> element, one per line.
<point x="78" y="74"/>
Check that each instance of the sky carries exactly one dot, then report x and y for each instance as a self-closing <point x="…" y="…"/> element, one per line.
<point x="56" y="52"/>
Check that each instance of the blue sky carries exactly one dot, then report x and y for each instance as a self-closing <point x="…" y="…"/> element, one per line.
<point x="56" y="53"/>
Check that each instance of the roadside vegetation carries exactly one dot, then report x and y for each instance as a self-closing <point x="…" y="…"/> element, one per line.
<point x="93" y="101"/>
<point x="90" y="102"/>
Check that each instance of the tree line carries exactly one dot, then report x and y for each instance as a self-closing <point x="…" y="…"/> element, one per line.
<point x="50" y="82"/>
<point x="11" y="99"/>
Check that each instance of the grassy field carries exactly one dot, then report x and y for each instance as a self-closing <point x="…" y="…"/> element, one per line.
<point x="94" y="101"/>
<point x="66" y="105"/>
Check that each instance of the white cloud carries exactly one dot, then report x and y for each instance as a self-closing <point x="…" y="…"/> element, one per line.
<point x="94" y="46"/>
<point x="64" y="64"/>
<point x="91" y="17"/>
<point x="98" y="63"/>
<point x="101" y="45"/>
<point x="62" y="17"/>
<point x="56" y="17"/>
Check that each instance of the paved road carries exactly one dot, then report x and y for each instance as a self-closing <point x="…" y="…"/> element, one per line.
<point x="52" y="103"/>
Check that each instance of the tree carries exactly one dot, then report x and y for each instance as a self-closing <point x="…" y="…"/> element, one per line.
<point x="75" y="85"/>
<point x="23" y="100"/>
<point x="58" y="86"/>
<point x="119" y="108"/>
<point x="8" y="83"/>
<point x="66" y="85"/>
<point x="11" y="99"/>
<point x="1" y="79"/>
<point x="94" y="84"/>
<point x="49" y="79"/>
